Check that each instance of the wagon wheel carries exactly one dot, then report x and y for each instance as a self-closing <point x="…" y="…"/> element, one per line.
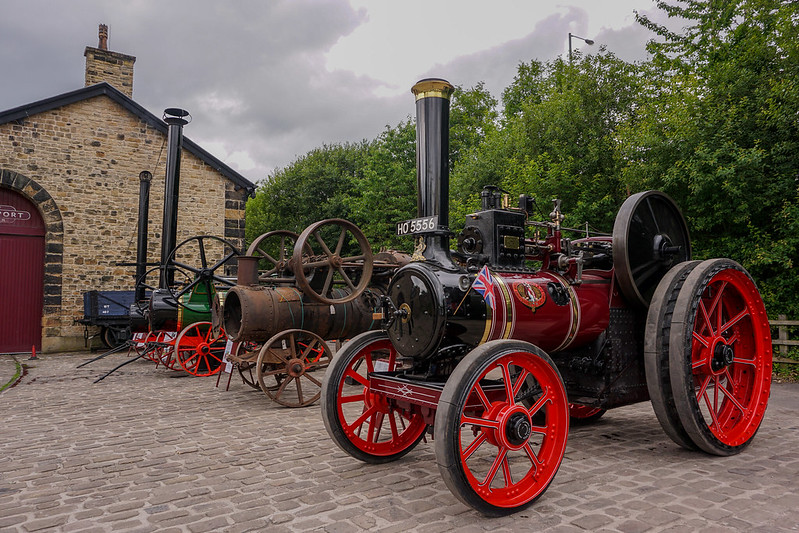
<point x="347" y="264"/>
<point x="165" y="349"/>
<point x="150" y="282"/>
<point x="581" y="415"/>
<point x="656" y="353"/>
<point x="649" y="237"/>
<point x="198" y="351"/>
<point x="720" y="357"/>
<point x="291" y="358"/>
<point x="494" y="452"/>
<point x="204" y="271"/>
<point x="360" y="422"/>
<point x="142" y="344"/>
<point x="275" y="250"/>
<point x="247" y="369"/>
<point x="113" y="336"/>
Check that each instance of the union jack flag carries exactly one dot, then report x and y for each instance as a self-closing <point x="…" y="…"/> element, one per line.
<point x="484" y="284"/>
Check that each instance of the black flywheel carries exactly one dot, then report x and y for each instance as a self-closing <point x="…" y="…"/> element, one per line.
<point x="649" y="237"/>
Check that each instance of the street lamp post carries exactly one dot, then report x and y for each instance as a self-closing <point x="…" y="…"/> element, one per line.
<point x="571" y="35"/>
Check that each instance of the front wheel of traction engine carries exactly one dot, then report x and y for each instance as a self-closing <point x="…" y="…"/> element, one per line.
<point x="360" y="422"/>
<point x="720" y="357"/>
<point x="501" y="427"/>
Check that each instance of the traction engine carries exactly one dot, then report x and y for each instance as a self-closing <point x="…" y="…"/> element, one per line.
<point x="493" y="348"/>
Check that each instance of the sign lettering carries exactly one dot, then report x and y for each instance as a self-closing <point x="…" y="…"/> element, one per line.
<point x="9" y="214"/>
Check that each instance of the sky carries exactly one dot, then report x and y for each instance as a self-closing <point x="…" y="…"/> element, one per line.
<point x="266" y="81"/>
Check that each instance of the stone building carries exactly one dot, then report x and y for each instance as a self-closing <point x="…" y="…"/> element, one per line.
<point x="69" y="195"/>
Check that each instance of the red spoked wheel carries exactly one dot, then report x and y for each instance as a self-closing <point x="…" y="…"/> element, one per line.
<point x="141" y="343"/>
<point x="198" y="351"/>
<point x="164" y="351"/>
<point x="362" y="423"/>
<point x="720" y="357"/>
<point x="580" y="415"/>
<point x="501" y="426"/>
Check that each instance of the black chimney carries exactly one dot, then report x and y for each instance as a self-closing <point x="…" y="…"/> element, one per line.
<point x="176" y="119"/>
<point x="145" y="178"/>
<point x="432" y="163"/>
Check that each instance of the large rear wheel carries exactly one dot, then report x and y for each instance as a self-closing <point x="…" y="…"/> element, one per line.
<point x="720" y="357"/>
<point x="501" y="426"/>
<point x="656" y="353"/>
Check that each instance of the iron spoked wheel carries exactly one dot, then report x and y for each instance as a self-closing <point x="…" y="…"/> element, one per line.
<point x="362" y="423"/>
<point x="582" y="415"/>
<point x="720" y="357"/>
<point x="198" y="351"/>
<point x="150" y="282"/>
<point x="113" y="336"/>
<point x="656" y="352"/>
<point x="341" y="258"/>
<point x="649" y="237"/>
<point x="275" y="250"/>
<point x="494" y="452"/>
<point x="293" y="359"/>
<point x="207" y="254"/>
<point x="247" y="369"/>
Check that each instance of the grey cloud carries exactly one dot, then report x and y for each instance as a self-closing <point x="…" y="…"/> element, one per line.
<point x="252" y="73"/>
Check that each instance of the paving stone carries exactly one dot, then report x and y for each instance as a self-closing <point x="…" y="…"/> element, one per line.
<point x="142" y="454"/>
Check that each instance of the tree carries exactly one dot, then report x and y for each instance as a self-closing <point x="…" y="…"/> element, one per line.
<point x="557" y="138"/>
<point x="314" y="187"/>
<point x="718" y="131"/>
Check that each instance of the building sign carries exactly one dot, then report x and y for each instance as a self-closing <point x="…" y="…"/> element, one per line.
<point x="9" y="214"/>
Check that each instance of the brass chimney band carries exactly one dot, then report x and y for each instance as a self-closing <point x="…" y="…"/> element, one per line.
<point x="432" y="87"/>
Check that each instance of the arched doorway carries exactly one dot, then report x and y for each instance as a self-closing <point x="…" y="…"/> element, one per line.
<point x="22" y="232"/>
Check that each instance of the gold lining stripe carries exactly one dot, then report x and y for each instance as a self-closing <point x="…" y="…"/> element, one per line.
<point x="574" y="326"/>
<point x="508" y="306"/>
<point x="489" y="324"/>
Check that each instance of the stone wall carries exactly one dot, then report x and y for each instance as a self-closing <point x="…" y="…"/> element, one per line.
<point x="80" y="164"/>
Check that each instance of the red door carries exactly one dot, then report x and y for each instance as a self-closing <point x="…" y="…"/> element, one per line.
<point x="21" y="273"/>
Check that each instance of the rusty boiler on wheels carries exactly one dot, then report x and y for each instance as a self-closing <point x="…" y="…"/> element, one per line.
<point x="296" y="292"/>
<point x="495" y="347"/>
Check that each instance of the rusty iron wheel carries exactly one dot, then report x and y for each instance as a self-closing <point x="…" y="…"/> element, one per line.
<point x="275" y="250"/>
<point x="295" y="359"/>
<point x="341" y="259"/>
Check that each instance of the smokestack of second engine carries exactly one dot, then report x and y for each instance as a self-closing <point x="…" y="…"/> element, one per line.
<point x="176" y="119"/>
<point x="432" y="162"/>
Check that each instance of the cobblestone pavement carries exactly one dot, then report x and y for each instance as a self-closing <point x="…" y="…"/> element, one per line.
<point x="153" y="450"/>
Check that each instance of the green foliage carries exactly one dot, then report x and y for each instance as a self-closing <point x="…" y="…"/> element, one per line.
<point x="386" y="191"/>
<point x="558" y="138"/>
<point x="717" y="130"/>
<point x="315" y="187"/>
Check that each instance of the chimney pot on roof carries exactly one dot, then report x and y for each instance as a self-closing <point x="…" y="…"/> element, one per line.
<point x="103" y="37"/>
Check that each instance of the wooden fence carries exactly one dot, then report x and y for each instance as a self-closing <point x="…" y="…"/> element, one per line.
<point x="782" y="341"/>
